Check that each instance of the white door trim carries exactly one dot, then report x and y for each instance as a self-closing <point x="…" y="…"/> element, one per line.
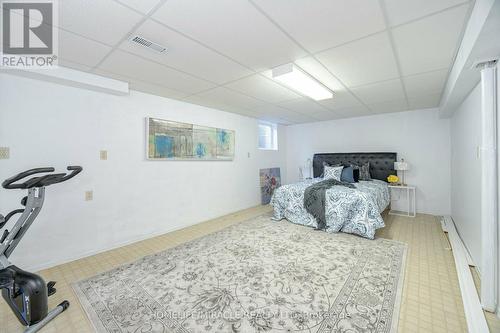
<point x="497" y="260"/>
<point x="489" y="184"/>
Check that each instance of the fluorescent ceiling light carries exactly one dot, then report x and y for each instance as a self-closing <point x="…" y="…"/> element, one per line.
<point x="298" y="80"/>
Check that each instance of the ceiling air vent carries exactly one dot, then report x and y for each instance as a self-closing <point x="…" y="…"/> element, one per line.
<point x="148" y="44"/>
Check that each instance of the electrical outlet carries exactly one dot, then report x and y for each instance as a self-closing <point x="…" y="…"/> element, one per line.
<point x="4" y="153"/>
<point x="89" y="195"/>
<point x="103" y="154"/>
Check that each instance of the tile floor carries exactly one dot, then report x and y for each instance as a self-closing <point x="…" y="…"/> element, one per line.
<point x="431" y="295"/>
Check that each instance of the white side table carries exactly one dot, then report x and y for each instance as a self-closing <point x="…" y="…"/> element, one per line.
<point x="411" y="194"/>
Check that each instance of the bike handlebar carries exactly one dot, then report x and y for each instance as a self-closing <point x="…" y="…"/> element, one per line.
<point x="40" y="181"/>
<point x="8" y="183"/>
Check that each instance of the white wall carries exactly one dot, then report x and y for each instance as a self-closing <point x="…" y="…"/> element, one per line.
<point x="45" y="124"/>
<point x="421" y="137"/>
<point x="465" y="131"/>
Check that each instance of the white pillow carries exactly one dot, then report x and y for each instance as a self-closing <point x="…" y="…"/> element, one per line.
<point x="332" y="172"/>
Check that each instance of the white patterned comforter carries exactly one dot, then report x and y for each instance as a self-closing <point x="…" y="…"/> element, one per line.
<point x="356" y="211"/>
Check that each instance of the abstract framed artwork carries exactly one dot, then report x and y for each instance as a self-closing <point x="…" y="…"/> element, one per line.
<point x="270" y="180"/>
<point x="172" y="140"/>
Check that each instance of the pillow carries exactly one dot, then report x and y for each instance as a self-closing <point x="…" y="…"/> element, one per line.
<point x="332" y="172"/>
<point x="364" y="171"/>
<point x="325" y="164"/>
<point x="348" y="175"/>
<point x="355" y="174"/>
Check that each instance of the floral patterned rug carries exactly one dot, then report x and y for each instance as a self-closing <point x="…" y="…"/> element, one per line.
<point x="255" y="276"/>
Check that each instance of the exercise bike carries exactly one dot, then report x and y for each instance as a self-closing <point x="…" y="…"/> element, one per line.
<point x="26" y="293"/>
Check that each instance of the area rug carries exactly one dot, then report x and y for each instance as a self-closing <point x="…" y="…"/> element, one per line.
<point x="255" y="276"/>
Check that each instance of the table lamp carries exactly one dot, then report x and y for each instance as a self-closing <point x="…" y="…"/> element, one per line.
<point x="308" y="167"/>
<point x="402" y="166"/>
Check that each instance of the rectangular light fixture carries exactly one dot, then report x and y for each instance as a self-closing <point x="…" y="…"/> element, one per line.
<point x="295" y="78"/>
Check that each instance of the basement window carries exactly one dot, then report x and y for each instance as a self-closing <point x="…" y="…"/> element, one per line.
<point x="268" y="136"/>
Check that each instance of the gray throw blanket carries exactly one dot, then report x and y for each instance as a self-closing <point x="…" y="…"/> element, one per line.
<point x="315" y="199"/>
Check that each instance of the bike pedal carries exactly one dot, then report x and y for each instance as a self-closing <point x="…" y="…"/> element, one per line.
<point x="50" y="288"/>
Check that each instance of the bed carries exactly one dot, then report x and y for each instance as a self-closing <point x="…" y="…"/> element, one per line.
<point x="350" y="210"/>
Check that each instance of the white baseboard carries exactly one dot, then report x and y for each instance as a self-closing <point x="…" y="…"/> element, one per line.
<point x="447" y="220"/>
<point x="474" y="315"/>
<point x="50" y="264"/>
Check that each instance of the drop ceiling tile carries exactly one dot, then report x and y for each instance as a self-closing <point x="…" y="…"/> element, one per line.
<point x="208" y="103"/>
<point x="185" y="54"/>
<point x="129" y="65"/>
<point x="264" y="113"/>
<point x="81" y="50"/>
<point x="241" y="112"/>
<point x="341" y="99"/>
<point x="141" y="86"/>
<point x="73" y="65"/>
<point x="249" y="113"/>
<point x="314" y="68"/>
<point x="235" y="28"/>
<point x="298" y="118"/>
<point x="430" y="43"/>
<point x="389" y="106"/>
<point x="116" y="76"/>
<point x="144" y="6"/>
<point x="155" y="90"/>
<point x="195" y="99"/>
<point x="425" y="84"/>
<point x="363" y="61"/>
<point x="327" y="115"/>
<point x="104" y="20"/>
<point x="245" y="112"/>
<point x="262" y="88"/>
<point x="278" y="112"/>
<point x="276" y="120"/>
<point x="402" y="11"/>
<point x="110" y="75"/>
<point x="270" y="110"/>
<point x="273" y="119"/>
<point x="224" y="96"/>
<point x="303" y="105"/>
<point x="424" y="102"/>
<point x="129" y="80"/>
<point x="351" y="112"/>
<point x="325" y="23"/>
<point x="380" y="92"/>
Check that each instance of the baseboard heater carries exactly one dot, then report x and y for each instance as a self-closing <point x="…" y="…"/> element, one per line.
<point x="474" y="315"/>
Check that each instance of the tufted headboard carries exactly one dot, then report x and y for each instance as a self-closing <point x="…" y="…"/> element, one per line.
<point x="381" y="164"/>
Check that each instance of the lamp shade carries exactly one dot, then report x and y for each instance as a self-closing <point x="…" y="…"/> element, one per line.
<point x="401" y="166"/>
